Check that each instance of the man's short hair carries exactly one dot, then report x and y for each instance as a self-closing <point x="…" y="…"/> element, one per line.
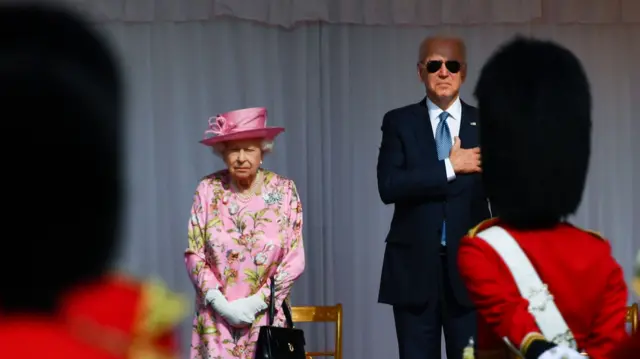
<point x="60" y="97"/>
<point x="535" y="110"/>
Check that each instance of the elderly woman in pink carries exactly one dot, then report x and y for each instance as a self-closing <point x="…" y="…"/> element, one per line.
<point x="245" y="227"/>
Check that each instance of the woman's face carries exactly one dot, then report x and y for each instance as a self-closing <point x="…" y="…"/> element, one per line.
<point x="243" y="158"/>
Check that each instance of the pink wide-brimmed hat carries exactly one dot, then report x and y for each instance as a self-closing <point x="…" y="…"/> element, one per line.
<point x="239" y="125"/>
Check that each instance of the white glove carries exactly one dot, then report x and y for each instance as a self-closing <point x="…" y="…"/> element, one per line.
<point x="561" y="352"/>
<point x="250" y="306"/>
<point x="233" y="316"/>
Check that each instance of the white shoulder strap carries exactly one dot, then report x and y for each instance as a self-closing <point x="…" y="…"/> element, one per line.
<point x="541" y="304"/>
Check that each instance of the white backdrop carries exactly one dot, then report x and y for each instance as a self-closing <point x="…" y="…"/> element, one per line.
<point x="329" y="85"/>
<point x="287" y="13"/>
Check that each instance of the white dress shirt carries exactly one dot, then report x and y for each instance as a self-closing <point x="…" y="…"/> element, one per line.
<point x="455" y="116"/>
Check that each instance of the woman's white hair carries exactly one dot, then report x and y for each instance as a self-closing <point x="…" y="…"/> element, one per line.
<point x="266" y="146"/>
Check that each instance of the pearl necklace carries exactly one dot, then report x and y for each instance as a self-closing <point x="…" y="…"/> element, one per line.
<point x="253" y="190"/>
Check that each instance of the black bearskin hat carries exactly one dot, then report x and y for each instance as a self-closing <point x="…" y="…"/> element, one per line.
<point x="60" y="97"/>
<point x="535" y="109"/>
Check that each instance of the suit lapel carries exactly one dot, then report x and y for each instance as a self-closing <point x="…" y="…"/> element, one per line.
<point x="424" y="132"/>
<point x="469" y="137"/>
<point x="468" y="128"/>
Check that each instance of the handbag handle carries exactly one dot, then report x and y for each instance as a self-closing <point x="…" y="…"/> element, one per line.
<point x="272" y="305"/>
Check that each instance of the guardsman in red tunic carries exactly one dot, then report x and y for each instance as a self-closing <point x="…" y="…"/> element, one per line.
<point x="630" y="349"/>
<point x="60" y="94"/>
<point x="535" y="109"/>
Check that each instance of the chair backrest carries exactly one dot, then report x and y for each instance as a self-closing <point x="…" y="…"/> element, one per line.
<point x="632" y="317"/>
<point x="319" y="314"/>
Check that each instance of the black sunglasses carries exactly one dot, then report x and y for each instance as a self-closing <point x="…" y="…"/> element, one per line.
<point x="435" y="65"/>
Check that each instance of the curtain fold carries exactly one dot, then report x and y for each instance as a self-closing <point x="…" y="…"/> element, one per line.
<point x="288" y="13"/>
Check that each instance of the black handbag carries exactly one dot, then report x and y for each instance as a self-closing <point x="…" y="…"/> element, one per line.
<point x="278" y="342"/>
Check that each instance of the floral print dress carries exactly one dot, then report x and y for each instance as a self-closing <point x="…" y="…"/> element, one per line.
<point x="236" y="244"/>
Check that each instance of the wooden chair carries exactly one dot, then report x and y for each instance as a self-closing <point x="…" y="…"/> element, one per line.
<point x="632" y="317"/>
<point x="319" y="314"/>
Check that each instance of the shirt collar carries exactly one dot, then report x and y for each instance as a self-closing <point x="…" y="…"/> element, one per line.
<point x="455" y="110"/>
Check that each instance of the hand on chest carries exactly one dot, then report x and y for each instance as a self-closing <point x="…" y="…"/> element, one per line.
<point x="425" y="138"/>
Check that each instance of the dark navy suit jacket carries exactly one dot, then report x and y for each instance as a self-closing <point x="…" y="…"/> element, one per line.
<point x="411" y="177"/>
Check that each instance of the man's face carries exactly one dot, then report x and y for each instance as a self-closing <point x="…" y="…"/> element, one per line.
<point x="443" y="69"/>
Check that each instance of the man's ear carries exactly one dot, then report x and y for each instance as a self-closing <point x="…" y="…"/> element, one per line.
<point x="463" y="72"/>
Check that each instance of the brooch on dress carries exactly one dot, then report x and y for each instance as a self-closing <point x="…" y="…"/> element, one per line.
<point x="233" y="208"/>
<point x="271" y="197"/>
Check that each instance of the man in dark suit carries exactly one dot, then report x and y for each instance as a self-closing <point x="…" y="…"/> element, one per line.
<point x="429" y="168"/>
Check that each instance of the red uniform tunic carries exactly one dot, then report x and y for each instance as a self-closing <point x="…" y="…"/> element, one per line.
<point x="115" y="318"/>
<point x="630" y="349"/>
<point x="586" y="281"/>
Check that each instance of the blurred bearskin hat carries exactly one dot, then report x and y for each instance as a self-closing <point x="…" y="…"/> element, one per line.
<point x="60" y="97"/>
<point x="535" y="108"/>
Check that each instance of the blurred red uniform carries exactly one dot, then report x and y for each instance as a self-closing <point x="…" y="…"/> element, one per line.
<point x="587" y="284"/>
<point x="630" y="349"/>
<point x="115" y="318"/>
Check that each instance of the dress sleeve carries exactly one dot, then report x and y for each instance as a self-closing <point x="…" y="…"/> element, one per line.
<point x="194" y="257"/>
<point x="292" y="263"/>
<point x="494" y="293"/>
<point x="609" y="326"/>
